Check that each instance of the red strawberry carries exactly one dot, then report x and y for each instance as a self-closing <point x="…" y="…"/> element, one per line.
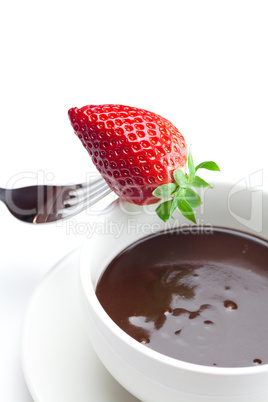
<point x="133" y="149"/>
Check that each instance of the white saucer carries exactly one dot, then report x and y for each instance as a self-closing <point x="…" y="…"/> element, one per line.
<point x="58" y="361"/>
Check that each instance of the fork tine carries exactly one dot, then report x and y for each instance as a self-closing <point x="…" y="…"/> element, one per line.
<point x="96" y="179"/>
<point x="81" y="197"/>
<point x="60" y="211"/>
<point x="99" y="196"/>
<point x="87" y="200"/>
<point x="86" y="188"/>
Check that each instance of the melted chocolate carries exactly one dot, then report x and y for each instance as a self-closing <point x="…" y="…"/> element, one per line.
<point x="200" y="297"/>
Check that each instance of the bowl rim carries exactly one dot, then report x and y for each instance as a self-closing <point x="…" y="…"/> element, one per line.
<point x="88" y="290"/>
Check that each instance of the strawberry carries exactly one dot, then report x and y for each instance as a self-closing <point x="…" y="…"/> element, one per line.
<point x="133" y="149"/>
<point x="141" y="155"/>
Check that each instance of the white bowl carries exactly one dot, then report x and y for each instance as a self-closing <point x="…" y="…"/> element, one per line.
<point x="147" y="374"/>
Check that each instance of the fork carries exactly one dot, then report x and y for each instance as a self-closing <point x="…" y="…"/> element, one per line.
<point x="47" y="203"/>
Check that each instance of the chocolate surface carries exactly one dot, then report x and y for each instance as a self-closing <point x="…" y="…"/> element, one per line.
<point x="201" y="297"/>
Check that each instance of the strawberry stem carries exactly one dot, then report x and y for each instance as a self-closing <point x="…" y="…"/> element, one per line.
<point x="180" y="194"/>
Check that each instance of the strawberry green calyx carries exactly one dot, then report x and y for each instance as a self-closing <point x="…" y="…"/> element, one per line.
<point x="180" y="194"/>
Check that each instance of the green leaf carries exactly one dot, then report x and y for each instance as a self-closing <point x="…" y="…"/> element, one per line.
<point x="177" y="199"/>
<point x="192" y="198"/>
<point x="209" y="165"/>
<point x="187" y="211"/>
<point x="180" y="178"/>
<point x="191" y="166"/>
<point x="198" y="182"/>
<point x="182" y="196"/>
<point x="165" y="191"/>
<point x="163" y="210"/>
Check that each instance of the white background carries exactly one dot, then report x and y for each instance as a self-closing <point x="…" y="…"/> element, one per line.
<point x="201" y="64"/>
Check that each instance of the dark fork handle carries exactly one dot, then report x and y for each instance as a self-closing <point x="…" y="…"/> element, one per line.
<point x="27" y="202"/>
<point x="2" y="194"/>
